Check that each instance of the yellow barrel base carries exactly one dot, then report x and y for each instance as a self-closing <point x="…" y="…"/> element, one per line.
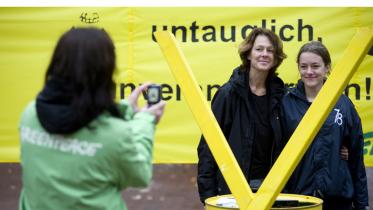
<point x="283" y="202"/>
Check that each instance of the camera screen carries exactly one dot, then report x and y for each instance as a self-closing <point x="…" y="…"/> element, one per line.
<point x="153" y="95"/>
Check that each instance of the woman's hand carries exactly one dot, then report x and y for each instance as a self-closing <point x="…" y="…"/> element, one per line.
<point x="344" y="153"/>
<point x="133" y="98"/>
<point x="156" y="110"/>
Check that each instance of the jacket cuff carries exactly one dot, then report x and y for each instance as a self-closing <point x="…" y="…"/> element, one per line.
<point x="207" y="194"/>
<point x="126" y="110"/>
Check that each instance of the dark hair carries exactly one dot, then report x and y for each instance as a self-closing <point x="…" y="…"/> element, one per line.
<point x="317" y="48"/>
<point x="247" y="45"/>
<point x="84" y="59"/>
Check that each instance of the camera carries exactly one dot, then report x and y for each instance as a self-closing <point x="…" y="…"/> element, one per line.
<point x="153" y="94"/>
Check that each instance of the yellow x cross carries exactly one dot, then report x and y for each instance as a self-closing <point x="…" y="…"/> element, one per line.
<point x="299" y="141"/>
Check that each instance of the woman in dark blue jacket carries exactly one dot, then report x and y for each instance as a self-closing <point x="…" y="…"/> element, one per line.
<point x="247" y="110"/>
<point x="342" y="184"/>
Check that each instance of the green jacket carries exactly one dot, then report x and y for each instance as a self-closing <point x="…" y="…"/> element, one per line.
<point x="88" y="168"/>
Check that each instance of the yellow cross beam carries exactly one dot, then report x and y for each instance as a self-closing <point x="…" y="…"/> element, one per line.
<point x="205" y="118"/>
<point x="298" y="143"/>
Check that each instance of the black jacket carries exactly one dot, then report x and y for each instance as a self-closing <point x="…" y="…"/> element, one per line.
<point x="231" y="108"/>
<point x="322" y="172"/>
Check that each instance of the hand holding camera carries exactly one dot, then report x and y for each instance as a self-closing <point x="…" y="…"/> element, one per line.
<point x="154" y="104"/>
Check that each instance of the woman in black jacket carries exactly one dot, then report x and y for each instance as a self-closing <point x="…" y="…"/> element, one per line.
<point x="322" y="172"/>
<point x="247" y="110"/>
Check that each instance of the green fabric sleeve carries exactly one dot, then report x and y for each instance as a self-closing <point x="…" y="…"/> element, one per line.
<point x="136" y="151"/>
<point x="126" y="110"/>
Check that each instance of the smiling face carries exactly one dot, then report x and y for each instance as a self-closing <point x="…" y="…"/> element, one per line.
<point x="312" y="70"/>
<point x="262" y="54"/>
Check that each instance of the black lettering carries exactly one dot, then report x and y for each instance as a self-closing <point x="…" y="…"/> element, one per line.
<point x="244" y="30"/>
<point x="212" y="34"/>
<point x="166" y="89"/>
<point x="301" y="28"/>
<point x="123" y="87"/>
<point x="193" y="29"/>
<point x="367" y="88"/>
<point x="273" y="27"/>
<point x="282" y="33"/>
<point x="209" y="91"/>
<point x="232" y="37"/>
<point x="264" y="23"/>
<point x="224" y="33"/>
<point x="154" y="29"/>
<point x="357" y="90"/>
<point x="178" y="93"/>
<point x="183" y="31"/>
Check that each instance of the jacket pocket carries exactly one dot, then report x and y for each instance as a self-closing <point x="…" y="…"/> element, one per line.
<point x="342" y="185"/>
<point x="323" y="182"/>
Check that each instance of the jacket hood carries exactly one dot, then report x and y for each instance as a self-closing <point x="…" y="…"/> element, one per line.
<point x="238" y="81"/>
<point x="55" y="110"/>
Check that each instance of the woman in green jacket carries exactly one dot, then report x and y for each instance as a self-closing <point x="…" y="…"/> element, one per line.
<point x="79" y="148"/>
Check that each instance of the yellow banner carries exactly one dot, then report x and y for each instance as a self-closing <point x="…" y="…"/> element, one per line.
<point x="209" y="37"/>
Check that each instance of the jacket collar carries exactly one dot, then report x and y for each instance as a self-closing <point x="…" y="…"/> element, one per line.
<point x="275" y="86"/>
<point x="299" y="92"/>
